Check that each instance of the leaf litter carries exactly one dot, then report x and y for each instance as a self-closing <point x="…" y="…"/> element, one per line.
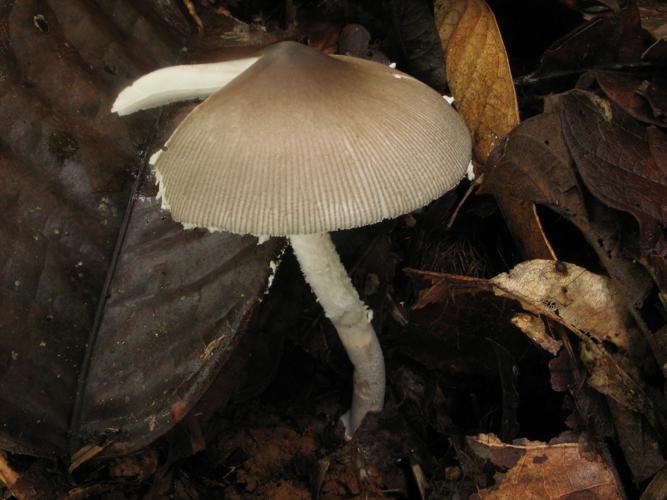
<point x="563" y="361"/>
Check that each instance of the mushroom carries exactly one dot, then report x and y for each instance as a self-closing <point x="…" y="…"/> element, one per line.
<point x="300" y="144"/>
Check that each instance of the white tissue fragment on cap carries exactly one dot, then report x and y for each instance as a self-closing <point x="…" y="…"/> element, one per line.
<point x="153" y="159"/>
<point x="470" y="173"/>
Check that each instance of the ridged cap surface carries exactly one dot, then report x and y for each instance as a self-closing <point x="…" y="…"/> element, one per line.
<point x="302" y="142"/>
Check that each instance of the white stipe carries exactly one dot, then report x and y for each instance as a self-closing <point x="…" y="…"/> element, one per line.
<point x="178" y="83"/>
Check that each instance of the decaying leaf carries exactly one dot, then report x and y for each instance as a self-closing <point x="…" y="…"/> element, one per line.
<point x="584" y="300"/>
<point x="535" y="329"/>
<point x="590" y="306"/>
<point x="657" y="487"/>
<point x="67" y="167"/>
<point x="625" y="90"/>
<point x="8" y="475"/>
<point x="639" y="442"/>
<point x="31" y="483"/>
<point x="535" y="165"/>
<point x="602" y="41"/>
<point x="115" y="320"/>
<point x="480" y="79"/>
<point x="610" y="348"/>
<point x="613" y="157"/>
<point x="653" y="14"/>
<point x="549" y="471"/>
<point x="477" y="70"/>
<point x="418" y="39"/>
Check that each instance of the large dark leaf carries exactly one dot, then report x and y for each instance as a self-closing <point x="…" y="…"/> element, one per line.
<point x="605" y="40"/>
<point x="613" y="157"/>
<point x="126" y="368"/>
<point x="535" y="164"/>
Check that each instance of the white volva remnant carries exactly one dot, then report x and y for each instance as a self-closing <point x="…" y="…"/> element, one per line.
<point x="153" y="159"/>
<point x="333" y="288"/>
<point x="178" y="83"/>
<point x="164" y="204"/>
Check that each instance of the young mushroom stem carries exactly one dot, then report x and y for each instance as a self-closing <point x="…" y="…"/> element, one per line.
<point x="324" y="272"/>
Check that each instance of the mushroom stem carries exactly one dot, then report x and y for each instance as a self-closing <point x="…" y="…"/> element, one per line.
<point x="324" y="272"/>
<point x="178" y="83"/>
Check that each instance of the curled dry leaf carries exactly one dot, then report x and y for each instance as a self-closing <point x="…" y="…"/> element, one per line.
<point x="535" y="165"/>
<point x="478" y="71"/>
<point x="545" y="470"/>
<point x="585" y="300"/>
<point x="613" y="157"/>
<point x="479" y="76"/>
<point x="600" y="42"/>
<point x="653" y="14"/>
<point x="592" y="308"/>
<point x="536" y="331"/>
<point x="625" y="89"/>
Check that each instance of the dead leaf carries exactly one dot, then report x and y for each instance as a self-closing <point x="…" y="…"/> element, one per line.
<point x="418" y="40"/>
<point x="625" y="89"/>
<point x="585" y="300"/>
<point x="657" y="487"/>
<point x="535" y="165"/>
<point x="639" y="442"/>
<point x="477" y="70"/>
<point x="7" y="474"/>
<point x="657" y="143"/>
<point x="141" y="465"/>
<point x="617" y="166"/>
<point x="535" y="329"/>
<point x="592" y="308"/>
<point x="545" y="470"/>
<point x="601" y="42"/>
<point x="108" y="306"/>
<point x="653" y="14"/>
<point x="590" y="305"/>
<point x="32" y="483"/>
<point x="64" y="201"/>
<point x="525" y="226"/>
<point x="480" y="79"/>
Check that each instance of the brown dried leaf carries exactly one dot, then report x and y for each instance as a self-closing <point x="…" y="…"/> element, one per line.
<point x="624" y="90"/>
<point x="66" y="166"/>
<point x="478" y="71"/>
<point x="657" y="487"/>
<point x="616" y="164"/>
<point x="418" y="40"/>
<point x="657" y="143"/>
<point x="115" y="320"/>
<point x="534" y="328"/>
<point x="586" y="301"/>
<point x="592" y="308"/>
<point x="653" y="14"/>
<point x="535" y="166"/>
<point x="546" y="471"/>
<point x="639" y="442"/>
<point x="480" y="79"/>
<point x="602" y="41"/>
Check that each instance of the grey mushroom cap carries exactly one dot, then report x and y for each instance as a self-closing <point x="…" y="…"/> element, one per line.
<point x="303" y="142"/>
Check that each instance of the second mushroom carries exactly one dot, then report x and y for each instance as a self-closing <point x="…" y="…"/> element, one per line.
<point x="298" y="143"/>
